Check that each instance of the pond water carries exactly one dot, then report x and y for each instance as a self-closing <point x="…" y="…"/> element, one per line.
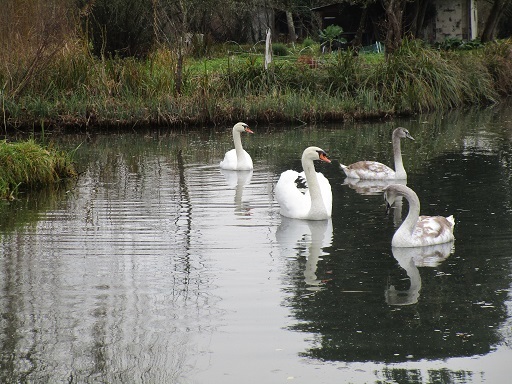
<point x="158" y="267"/>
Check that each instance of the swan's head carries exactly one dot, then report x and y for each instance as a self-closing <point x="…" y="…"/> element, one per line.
<point x="242" y="127"/>
<point x="391" y="192"/>
<point x="402" y="133"/>
<point x="315" y="153"/>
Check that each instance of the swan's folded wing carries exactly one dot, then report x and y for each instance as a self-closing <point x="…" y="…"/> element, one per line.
<point x="434" y="229"/>
<point x="369" y="170"/>
<point x="291" y="200"/>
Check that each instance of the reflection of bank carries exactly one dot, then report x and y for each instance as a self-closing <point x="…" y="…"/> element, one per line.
<point x="305" y="238"/>
<point x="410" y="259"/>
<point x="238" y="180"/>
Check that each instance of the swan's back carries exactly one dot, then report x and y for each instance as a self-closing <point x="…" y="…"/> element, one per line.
<point x="368" y="170"/>
<point x="231" y="162"/>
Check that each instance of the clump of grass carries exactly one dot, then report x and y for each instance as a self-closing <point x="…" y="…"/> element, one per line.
<point x="497" y="58"/>
<point x="279" y="49"/>
<point x="27" y="164"/>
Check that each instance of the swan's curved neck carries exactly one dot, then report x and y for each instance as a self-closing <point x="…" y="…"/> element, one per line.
<point x="317" y="202"/>
<point x="410" y="221"/>
<point x="397" y="154"/>
<point x="237" y="140"/>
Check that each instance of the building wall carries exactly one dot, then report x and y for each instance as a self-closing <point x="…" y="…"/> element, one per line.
<point x="456" y="19"/>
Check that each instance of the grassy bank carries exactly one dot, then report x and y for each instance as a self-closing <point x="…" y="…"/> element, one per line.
<point x="28" y="165"/>
<point x="70" y="87"/>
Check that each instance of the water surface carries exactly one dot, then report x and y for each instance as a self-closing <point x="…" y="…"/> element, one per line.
<point x="156" y="266"/>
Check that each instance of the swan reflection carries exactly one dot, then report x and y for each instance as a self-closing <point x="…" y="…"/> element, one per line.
<point x="238" y="180"/>
<point x="410" y="259"/>
<point x="375" y="188"/>
<point x="370" y="187"/>
<point x="308" y="238"/>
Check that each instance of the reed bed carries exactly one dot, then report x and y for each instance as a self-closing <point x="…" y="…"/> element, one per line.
<point x="77" y="89"/>
<point x="27" y="164"/>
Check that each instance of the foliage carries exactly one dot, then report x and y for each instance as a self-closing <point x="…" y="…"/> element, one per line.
<point x="279" y="49"/>
<point x="28" y="164"/>
<point x="79" y="89"/>
<point x="452" y="44"/>
<point x="332" y="34"/>
<point x="119" y="27"/>
<point x="308" y="42"/>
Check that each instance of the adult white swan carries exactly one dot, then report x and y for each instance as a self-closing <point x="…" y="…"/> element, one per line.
<point x="416" y="230"/>
<point x="237" y="159"/>
<point x="374" y="170"/>
<point x="306" y="195"/>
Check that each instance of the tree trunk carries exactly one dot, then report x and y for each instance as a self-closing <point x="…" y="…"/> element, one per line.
<point x="291" y="27"/>
<point x="418" y="17"/>
<point x="394" y="14"/>
<point x="358" y="39"/>
<point x="421" y="17"/>
<point x="489" y="32"/>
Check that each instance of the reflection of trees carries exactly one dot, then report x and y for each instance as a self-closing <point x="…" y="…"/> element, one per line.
<point x="90" y="287"/>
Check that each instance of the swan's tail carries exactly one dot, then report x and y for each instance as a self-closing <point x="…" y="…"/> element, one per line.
<point x="344" y="168"/>
<point x="451" y="219"/>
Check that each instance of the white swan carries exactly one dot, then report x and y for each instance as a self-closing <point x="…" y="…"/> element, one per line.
<point x="237" y="159"/>
<point x="374" y="170"/>
<point x="416" y="230"/>
<point x="306" y="195"/>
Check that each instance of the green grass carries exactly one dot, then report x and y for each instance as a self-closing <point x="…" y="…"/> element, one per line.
<point x="78" y="89"/>
<point x="27" y="164"/>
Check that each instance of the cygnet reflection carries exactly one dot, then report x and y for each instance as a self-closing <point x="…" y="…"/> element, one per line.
<point x="308" y="238"/>
<point x="375" y="188"/>
<point x="238" y="180"/>
<point x="410" y="259"/>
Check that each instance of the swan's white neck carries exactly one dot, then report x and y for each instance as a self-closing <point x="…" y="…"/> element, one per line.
<point x="237" y="140"/>
<point x="317" y="201"/>
<point x="397" y="153"/>
<point x="408" y="225"/>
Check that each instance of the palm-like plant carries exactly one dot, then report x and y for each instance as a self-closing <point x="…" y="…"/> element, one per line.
<point x="331" y="34"/>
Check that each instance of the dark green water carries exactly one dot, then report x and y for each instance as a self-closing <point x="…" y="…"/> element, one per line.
<point x="158" y="267"/>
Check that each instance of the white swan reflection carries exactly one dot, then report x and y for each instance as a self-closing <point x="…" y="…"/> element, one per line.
<point x="308" y="238"/>
<point x="238" y="180"/>
<point x="410" y="259"/>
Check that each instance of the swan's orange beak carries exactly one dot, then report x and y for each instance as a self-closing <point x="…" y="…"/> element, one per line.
<point x="248" y="130"/>
<point x="324" y="157"/>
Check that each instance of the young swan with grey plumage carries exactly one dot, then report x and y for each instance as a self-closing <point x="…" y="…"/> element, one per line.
<point x="416" y="230"/>
<point x="373" y="170"/>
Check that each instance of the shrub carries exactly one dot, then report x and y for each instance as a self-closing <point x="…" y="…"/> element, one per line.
<point x="279" y="49"/>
